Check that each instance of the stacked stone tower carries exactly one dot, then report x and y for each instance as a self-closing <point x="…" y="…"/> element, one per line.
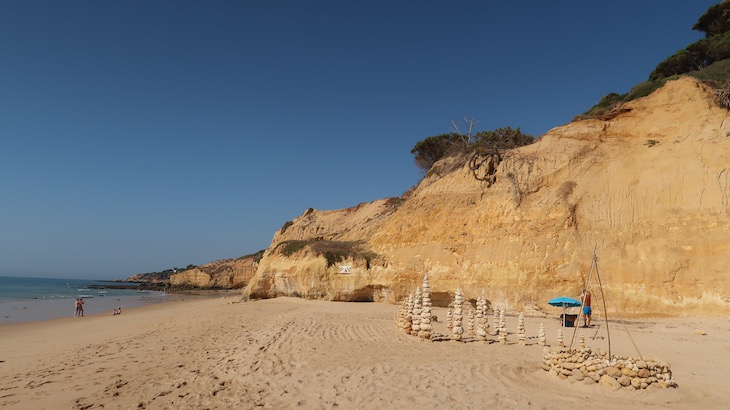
<point x="416" y="317"/>
<point x="426" y="330"/>
<point x="481" y="320"/>
<point x="449" y="319"/>
<point x="470" y="323"/>
<point x="541" y="339"/>
<point x="484" y="312"/>
<point x="406" y="324"/>
<point x="400" y="316"/>
<point x="521" y="337"/>
<point x="560" y="338"/>
<point x="502" y="328"/>
<point x="458" y="303"/>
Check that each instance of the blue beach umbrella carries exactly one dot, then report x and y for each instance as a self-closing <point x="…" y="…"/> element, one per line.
<point x="565" y="302"/>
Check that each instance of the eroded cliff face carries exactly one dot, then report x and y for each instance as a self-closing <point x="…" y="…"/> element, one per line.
<point x="220" y="274"/>
<point x="650" y="188"/>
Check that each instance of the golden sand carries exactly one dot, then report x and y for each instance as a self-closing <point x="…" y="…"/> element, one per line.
<point x="287" y="353"/>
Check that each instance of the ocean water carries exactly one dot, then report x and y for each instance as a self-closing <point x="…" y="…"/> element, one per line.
<point x="33" y="299"/>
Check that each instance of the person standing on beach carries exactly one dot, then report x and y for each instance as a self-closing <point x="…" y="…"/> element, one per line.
<point x="76" y="307"/>
<point x="81" y="307"/>
<point x="586" y="308"/>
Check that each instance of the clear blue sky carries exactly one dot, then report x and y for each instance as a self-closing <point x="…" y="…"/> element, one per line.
<point x="137" y="135"/>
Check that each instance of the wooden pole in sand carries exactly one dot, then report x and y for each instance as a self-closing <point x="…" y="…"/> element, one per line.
<point x="621" y="319"/>
<point x="583" y="300"/>
<point x="605" y="312"/>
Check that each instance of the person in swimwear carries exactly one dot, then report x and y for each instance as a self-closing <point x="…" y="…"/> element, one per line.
<point x="586" y="308"/>
<point x="76" y="307"/>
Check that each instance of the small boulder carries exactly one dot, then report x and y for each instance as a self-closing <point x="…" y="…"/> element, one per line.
<point x="624" y="380"/>
<point x="579" y="376"/>
<point x="635" y="382"/>
<point x="609" y="381"/>
<point x="614" y="372"/>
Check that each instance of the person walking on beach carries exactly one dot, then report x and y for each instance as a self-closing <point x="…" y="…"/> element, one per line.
<point x="81" y="307"/>
<point x="586" y="308"/>
<point x="76" y="307"/>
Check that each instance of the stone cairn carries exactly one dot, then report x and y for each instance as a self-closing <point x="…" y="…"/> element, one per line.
<point x="495" y="320"/>
<point x="400" y="316"/>
<point x="425" y="331"/>
<point x="449" y="319"/>
<point x="560" y="338"/>
<point x="458" y="301"/>
<point x="470" y="322"/>
<point x="589" y="367"/>
<point x="416" y="317"/>
<point x="541" y="339"/>
<point x="409" y="315"/>
<point x="502" y="328"/>
<point x="521" y="337"/>
<point x="481" y="319"/>
<point x="582" y="341"/>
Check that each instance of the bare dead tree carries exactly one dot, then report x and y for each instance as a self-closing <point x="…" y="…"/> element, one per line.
<point x="470" y="122"/>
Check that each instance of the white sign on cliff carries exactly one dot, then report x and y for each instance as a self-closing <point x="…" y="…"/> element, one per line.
<point x="345" y="269"/>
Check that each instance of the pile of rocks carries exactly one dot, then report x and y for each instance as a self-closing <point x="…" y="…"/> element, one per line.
<point x="502" y="329"/>
<point x="402" y="315"/>
<point x="456" y="325"/>
<point x="521" y="336"/>
<point x="589" y="367"/>
<point x="482" y="321"/>
<point x="426" y="329"/>
<point x="416" y="314"/>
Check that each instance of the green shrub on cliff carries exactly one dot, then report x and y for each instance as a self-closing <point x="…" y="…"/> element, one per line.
<point x="695" y="57"/>
<point x="333" y="251"/>
<point x="716" y="20"/>
<point x="432" y="149"/>
<point x="706" y="60"/>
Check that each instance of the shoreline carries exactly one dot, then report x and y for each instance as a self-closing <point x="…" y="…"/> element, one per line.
<point x="20" y="311"/>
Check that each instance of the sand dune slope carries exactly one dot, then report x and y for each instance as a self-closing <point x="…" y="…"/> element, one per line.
<point x="285" y="353"/>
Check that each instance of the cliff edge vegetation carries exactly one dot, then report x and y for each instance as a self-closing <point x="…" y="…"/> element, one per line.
<point x="646" y="181"/>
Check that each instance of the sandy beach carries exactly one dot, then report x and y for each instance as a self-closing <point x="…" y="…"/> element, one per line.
<point x="286" y="353"/>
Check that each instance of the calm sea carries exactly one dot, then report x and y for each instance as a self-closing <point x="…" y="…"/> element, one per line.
<point x="32" y="299"/>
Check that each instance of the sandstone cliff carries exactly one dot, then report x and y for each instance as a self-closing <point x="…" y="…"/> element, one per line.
<point x="650" y="187"/>
<point x="220" y="274"/>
